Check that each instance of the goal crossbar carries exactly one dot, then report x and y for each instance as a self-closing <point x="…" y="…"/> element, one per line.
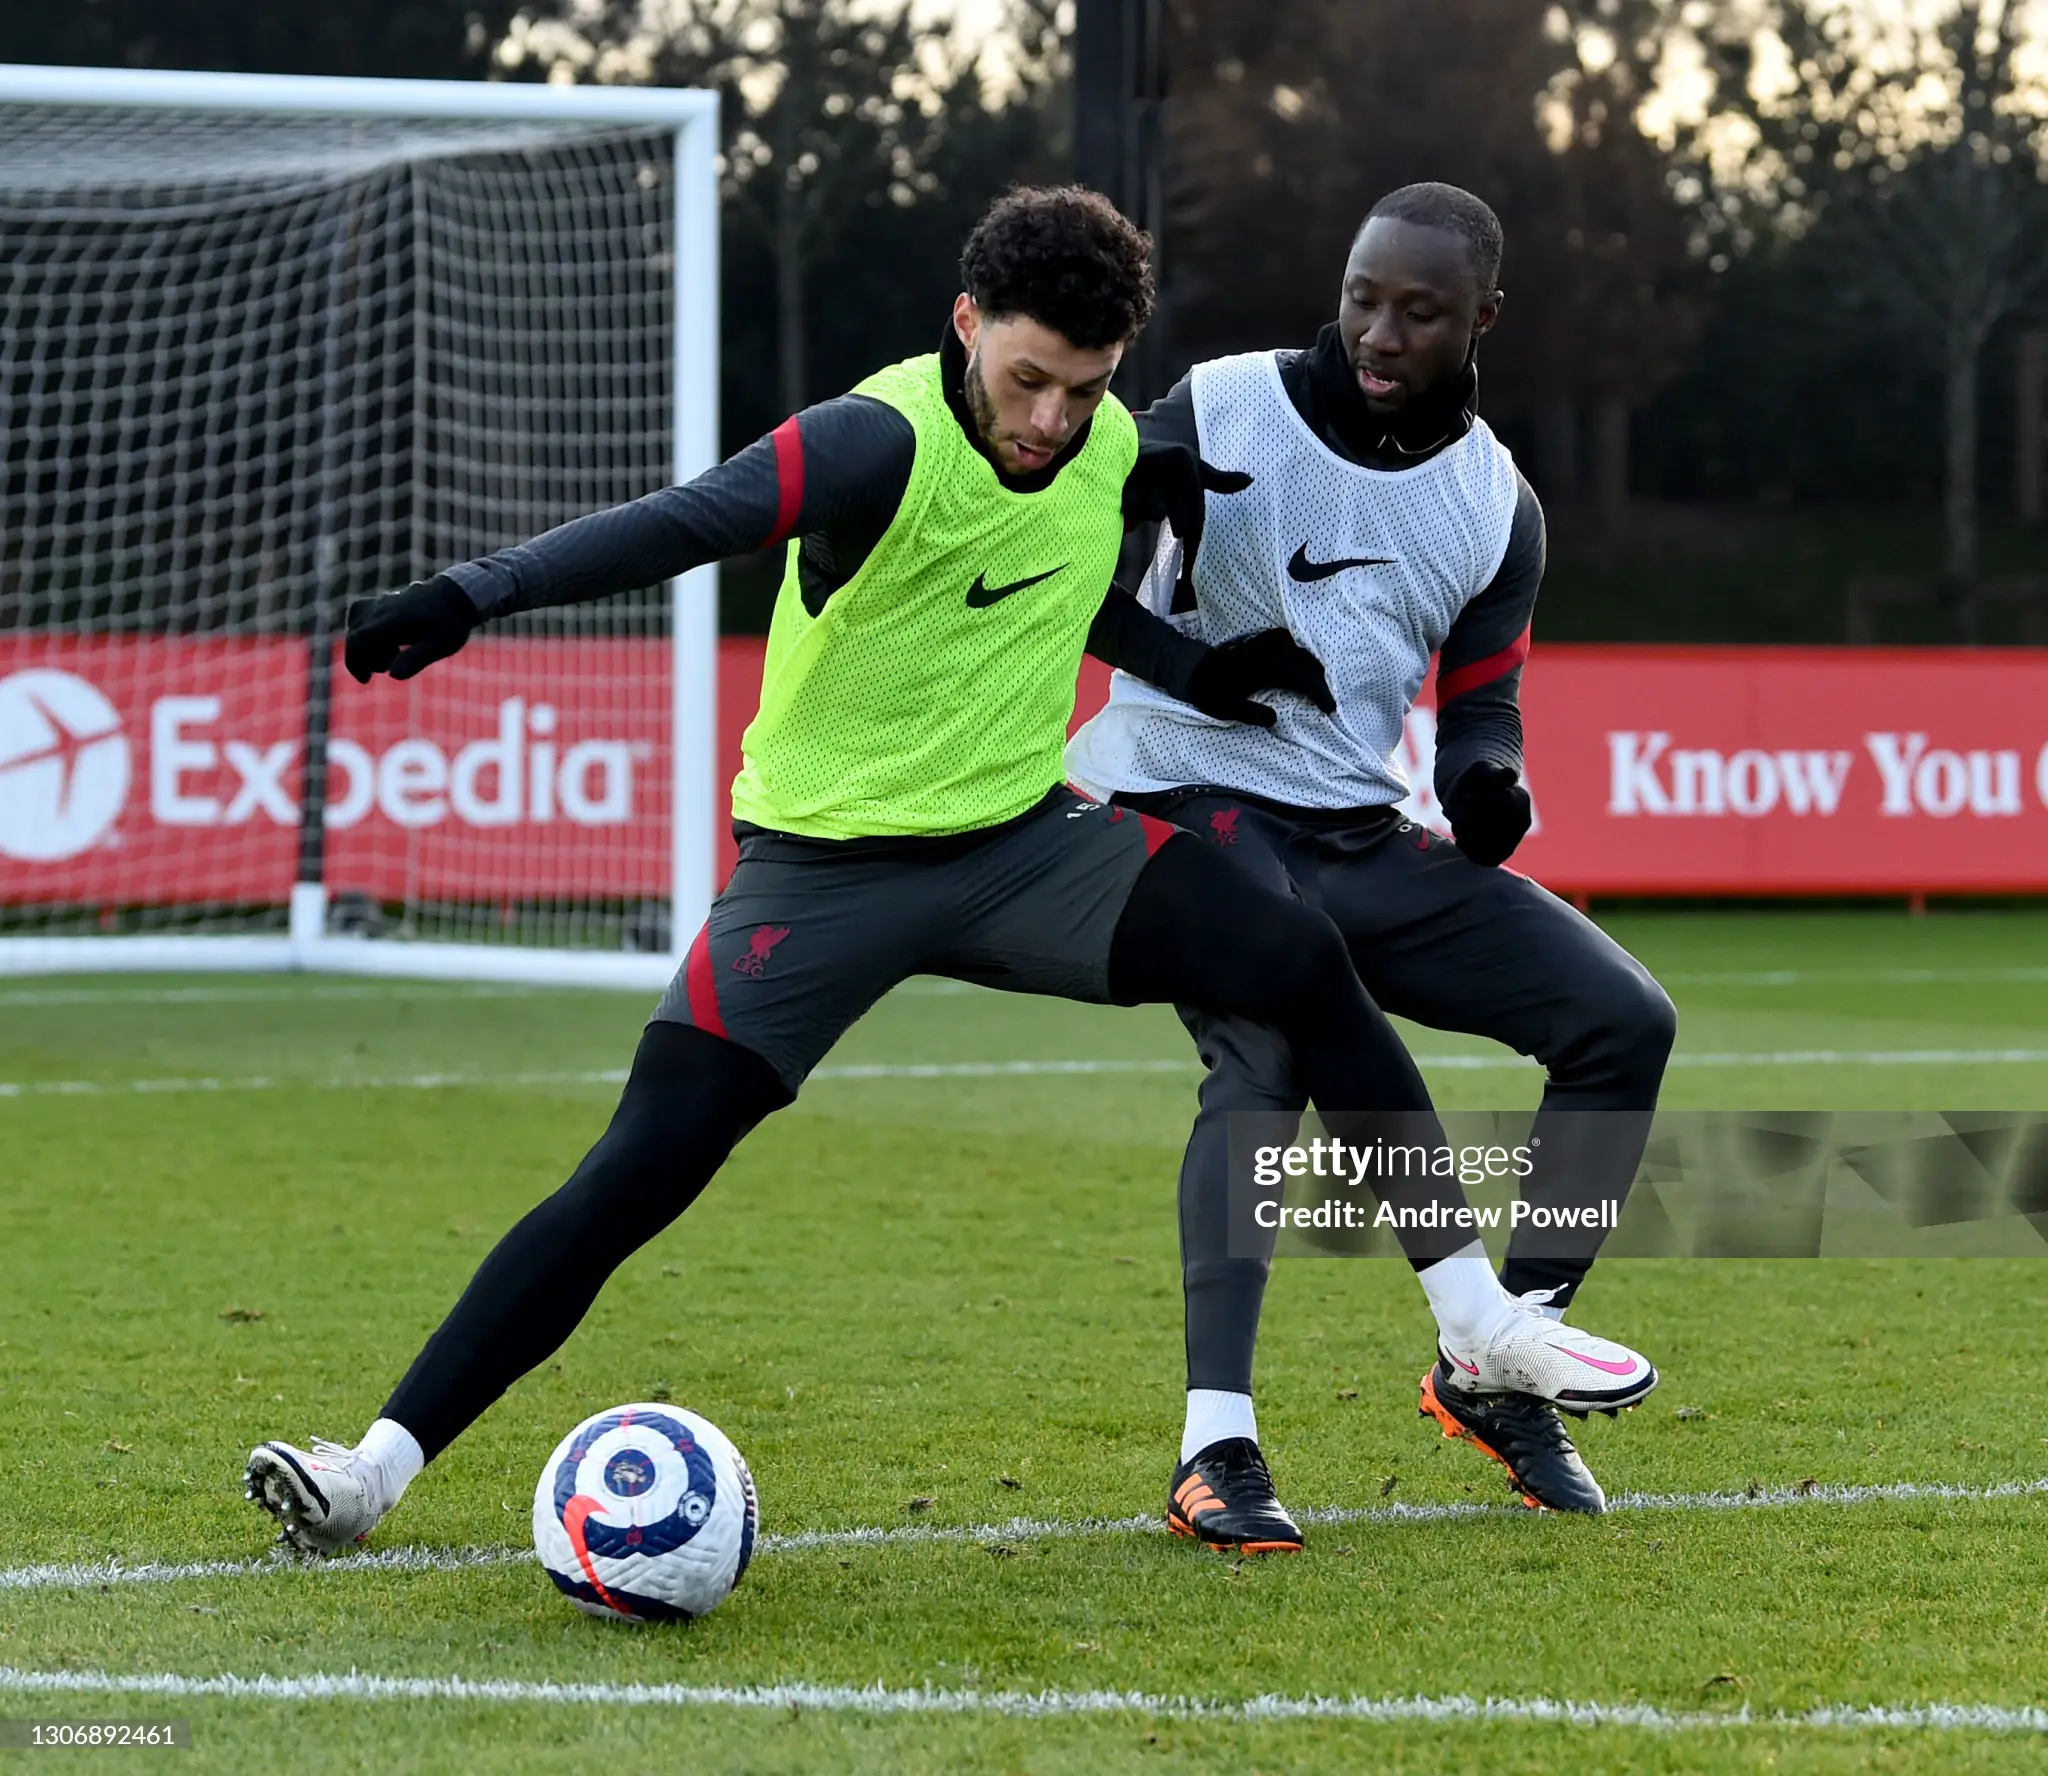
<point x="339" y="96"/>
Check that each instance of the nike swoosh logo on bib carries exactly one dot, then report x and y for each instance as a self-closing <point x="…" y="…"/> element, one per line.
<point x="981" y="594"/>
<point x="1301" y="568"/>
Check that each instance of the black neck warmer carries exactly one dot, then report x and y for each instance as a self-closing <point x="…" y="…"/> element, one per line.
<point x="1424" y="426"/>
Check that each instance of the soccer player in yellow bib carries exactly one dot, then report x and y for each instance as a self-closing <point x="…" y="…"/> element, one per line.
<point x="952" y="526"/>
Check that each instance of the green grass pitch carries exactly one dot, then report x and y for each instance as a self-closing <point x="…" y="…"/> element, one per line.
<point x="944" y="1302"/>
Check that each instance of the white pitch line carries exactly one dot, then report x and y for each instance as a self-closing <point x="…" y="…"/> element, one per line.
<point x="254" y="995"/>
<point x="288" y="992"/>
<point x="1858" y="977"/>
<point x="1783" y="1057"/>
<point x="883" y="1070"/>
<point x="996" y="1069"/>
<point x="354" y="1686"/>
<point x="1855" y="1057"/>
<point x="86" y="1575"/>
<point x="89" y="1575"/>
<point x="258" y="1082"/>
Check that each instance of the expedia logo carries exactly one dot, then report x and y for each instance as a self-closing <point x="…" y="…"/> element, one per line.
<point x="64" y="766"/>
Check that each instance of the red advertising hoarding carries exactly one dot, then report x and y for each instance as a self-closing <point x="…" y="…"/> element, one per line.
<point x="1788" y="770"/>
<point x="167" y="771"/>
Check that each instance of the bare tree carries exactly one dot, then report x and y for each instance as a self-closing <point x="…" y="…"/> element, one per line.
<point x="830" y="109"/>
<point x="1286" y="123"/>
<point x="1620" y="305"/>
<point x="1923" y="146"/>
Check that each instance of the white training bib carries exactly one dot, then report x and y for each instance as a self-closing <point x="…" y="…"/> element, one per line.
<point x="1368" y="568"/>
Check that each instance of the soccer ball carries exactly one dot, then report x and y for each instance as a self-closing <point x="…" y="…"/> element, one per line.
<point x="645" y="1513"/>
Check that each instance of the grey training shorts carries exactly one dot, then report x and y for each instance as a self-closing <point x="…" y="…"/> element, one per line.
<point x="811" y="932"/>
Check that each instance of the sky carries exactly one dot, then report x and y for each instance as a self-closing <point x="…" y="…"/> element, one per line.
<point x="558" y="43"/>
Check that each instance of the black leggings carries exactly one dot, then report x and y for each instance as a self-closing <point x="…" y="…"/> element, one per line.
<point x="1199" y="931"/>
<point x="687" y="1102"/>
<point x="1196" y="931"/>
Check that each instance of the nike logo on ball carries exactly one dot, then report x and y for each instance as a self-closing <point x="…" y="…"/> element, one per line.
<point x="1301" y="568"/>
<point x="981" y="594"/>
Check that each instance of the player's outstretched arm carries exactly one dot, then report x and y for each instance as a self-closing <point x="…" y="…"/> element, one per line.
<point x="839" y="467"/>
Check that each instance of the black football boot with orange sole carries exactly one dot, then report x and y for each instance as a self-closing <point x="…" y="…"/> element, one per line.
<point x="1524" y="1434"/>
<point x="1222" y="1496"/>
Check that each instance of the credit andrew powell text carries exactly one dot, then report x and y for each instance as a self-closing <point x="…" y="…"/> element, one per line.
<point x="1684" y="1183"/>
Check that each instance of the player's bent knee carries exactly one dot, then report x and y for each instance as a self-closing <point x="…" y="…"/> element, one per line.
<point x="1251" y="1069"/>
<point x="1641" y="1023"/>
<point x="1626" y="1028"/>
<point x="692" y="1095"/>
<point x="1198" y="931"/>
<point x="1656" y="1025"/>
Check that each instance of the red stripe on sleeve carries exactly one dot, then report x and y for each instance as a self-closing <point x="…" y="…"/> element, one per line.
<point x="702" y="986"/>
<point x="789" y="480"/>
<point x="1482" y="672"/>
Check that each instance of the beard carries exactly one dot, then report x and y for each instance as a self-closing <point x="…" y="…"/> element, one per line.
<point x="979" y="403"/>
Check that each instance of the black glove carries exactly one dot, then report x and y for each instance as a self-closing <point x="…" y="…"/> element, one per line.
<point x="1488" y="811"/>
<point x="403" y="633"/>
<point x="1223" y="679"/>
<point x="1166" y="485"/>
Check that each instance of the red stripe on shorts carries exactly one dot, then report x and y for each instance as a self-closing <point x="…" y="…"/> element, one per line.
<point x="702" y="986"/>
<point x="1157" y="831"/>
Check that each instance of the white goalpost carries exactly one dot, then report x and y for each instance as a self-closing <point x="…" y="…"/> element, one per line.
<point x="269" y="344"/>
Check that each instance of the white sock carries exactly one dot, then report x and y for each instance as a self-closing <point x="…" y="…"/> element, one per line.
<point x="1466" y="1298"/>
<point x="394" y="1455"/>
<point x="1214" y="1415"/>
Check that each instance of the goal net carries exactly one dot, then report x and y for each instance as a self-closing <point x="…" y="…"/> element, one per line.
<point x="270" y="345"/>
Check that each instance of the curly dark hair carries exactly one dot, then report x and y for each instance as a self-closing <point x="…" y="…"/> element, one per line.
<point x="1067" y="258"/>
<point x="1433" y="205"/>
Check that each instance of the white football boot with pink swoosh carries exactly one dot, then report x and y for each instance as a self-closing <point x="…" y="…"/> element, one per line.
<point x="1530" y="1353"/>
<point x="325" y="1499"/>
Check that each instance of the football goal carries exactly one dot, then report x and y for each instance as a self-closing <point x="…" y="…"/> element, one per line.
<point x="270" y="344"/>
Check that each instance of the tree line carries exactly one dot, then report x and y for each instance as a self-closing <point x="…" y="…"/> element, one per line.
<point x="1780" y="251"/>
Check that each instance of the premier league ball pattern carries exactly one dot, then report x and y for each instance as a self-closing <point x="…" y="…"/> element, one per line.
<point x="645" y="1513"/>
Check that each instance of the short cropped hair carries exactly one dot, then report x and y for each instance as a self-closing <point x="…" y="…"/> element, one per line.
<point x="1430" y="205"/>
<point x="1063" y="256"/>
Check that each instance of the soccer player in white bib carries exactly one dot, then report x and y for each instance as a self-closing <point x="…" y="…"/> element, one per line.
<point x="1382" y="523"/>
